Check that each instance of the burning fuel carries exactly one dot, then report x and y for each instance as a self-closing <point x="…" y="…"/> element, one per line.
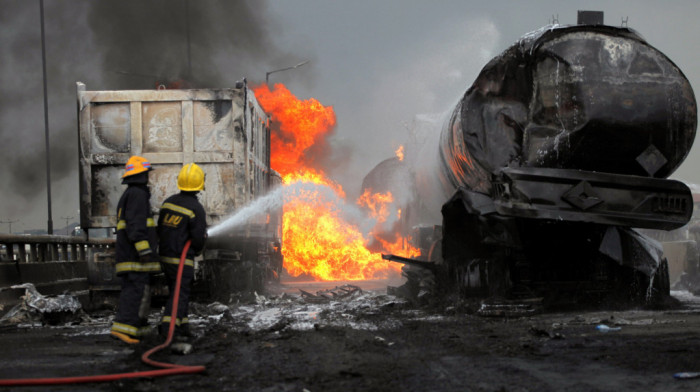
<point x="299" y="130"/>
<point x="377" y="203"/>
<point x="320" y="242"/>
<point x="321" y="236"/>
<point x="399" y="153"/>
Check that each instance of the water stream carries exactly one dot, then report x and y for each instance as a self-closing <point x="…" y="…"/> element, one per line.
<point x="271" y="201"/>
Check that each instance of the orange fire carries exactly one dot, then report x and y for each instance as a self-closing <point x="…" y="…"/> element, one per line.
<point x="302" y="127"/>
<point x="399" y="246"/>
<point x="377" y="203"/>
<point x="314" y="177"/>
<point x="317" y="239"/>
<point x="399" y="153"/>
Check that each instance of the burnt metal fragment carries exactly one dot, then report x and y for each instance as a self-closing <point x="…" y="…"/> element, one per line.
<point x="413" y="262"/>
<point x="336" y="293"/>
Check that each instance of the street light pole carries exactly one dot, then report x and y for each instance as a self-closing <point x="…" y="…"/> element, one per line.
<point x="49" y="229"/>
<point x="189" y="45"/>
<point x="267" y="75"/>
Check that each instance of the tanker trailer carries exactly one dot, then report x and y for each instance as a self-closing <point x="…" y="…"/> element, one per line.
<point x="559" y="149"/>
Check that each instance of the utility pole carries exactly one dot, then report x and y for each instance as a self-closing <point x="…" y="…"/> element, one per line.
<point x="189" y="45"/>
<point x="67" y="218"/>
<point x="49" y="229"/>
<point x="9" y="222"/>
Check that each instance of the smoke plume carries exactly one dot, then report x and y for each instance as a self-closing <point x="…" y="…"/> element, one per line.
<point x="108" y="44"/>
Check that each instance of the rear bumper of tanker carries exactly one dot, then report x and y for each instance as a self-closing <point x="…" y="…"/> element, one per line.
<point x="591" y="197"/>
<point x="562" y="235"/>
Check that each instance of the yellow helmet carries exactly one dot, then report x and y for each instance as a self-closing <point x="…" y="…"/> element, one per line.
<point x="136" y="165"/>
<point x="191" y="178"/>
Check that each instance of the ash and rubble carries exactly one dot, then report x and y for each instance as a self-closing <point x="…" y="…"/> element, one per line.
<point x="35" y="309"/>
<point x="343" y="307"/>
<point x="374" y="310"/>
<point x="355" y="309"/>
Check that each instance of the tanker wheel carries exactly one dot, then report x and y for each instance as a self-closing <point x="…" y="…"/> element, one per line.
<point x="636" y="287"/>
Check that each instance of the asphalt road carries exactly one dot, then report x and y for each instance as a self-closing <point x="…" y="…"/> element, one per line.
<point x="370" y="341"/>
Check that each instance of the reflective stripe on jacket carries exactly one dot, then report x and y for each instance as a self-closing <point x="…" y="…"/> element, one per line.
<point x="181" y="218"/>
<point x="136" y="231"/>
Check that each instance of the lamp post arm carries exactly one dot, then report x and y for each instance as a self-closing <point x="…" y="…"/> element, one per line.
<point x="267" y="74"/>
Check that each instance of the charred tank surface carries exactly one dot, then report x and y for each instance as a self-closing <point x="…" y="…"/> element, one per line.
<point x="592" y="98"/>
<point x="557" y="151"/>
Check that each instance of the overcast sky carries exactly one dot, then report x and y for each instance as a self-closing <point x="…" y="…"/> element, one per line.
<point x="378" y="63"/>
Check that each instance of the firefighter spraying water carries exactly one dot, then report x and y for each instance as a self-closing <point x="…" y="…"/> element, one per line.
<point x="181" y="219"/>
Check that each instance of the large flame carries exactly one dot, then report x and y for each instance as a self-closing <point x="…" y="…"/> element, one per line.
<point x="317" y="238"/>
<point x="300" y="126"/>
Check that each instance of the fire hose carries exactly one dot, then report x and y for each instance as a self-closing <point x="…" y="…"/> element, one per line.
<point x="167" y="368"/>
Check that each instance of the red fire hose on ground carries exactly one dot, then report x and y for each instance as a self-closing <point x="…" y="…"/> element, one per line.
<point x="167" y="368"/>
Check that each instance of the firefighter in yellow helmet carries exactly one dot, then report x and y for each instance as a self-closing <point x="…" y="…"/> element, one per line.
<point x="136" y="252"/>
<point x="181" y="218"/>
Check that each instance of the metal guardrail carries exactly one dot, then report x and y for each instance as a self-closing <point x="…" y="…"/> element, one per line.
<point x="42" y="248"/>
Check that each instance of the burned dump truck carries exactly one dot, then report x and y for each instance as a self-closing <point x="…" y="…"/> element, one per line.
<point x="557" y="152"/>
<point x="224" y="131"/>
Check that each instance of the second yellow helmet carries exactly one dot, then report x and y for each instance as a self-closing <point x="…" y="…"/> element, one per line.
<point x="191" y="178"/>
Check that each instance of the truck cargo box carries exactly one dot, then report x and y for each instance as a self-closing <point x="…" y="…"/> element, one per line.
<point x="225" y="131"/>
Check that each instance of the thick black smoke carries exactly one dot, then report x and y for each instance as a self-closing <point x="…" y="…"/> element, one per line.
<point x="209" y="43"/>
<point x="108" y="44"/>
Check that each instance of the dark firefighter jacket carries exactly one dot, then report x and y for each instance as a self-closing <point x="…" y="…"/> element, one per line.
<point x="136" y="232"/>
<point x="181" y="218"/>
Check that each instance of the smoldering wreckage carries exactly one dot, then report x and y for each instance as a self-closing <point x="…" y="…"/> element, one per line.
<point x="541" y="190"/>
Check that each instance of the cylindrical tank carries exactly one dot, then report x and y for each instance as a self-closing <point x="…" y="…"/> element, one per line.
<point x="594" y="98"/>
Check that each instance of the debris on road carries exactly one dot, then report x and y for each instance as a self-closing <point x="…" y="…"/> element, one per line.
<point x="36" y="308"/>
<point x="508" y="308"/>
<point x="605" y="328"/>
<point x="181" y="348"/>
<point x="686" y="375"/>
<point x="338" y="292"/>
<point x="541" y="332"/>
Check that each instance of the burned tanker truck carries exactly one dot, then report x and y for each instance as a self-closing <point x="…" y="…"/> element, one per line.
<point x="557" y="152"/>
<point x="224" y="131"/>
